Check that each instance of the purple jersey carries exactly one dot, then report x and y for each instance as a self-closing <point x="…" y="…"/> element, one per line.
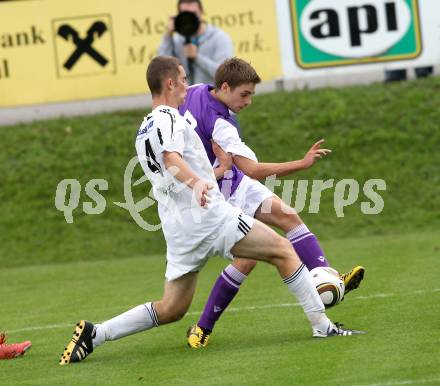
<point x="206" y="110"/>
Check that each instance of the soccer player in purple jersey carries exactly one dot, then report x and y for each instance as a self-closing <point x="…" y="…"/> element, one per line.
<point x="212" y="110"/>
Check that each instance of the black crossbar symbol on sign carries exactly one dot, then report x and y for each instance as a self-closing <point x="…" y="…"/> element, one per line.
<point x="83" y="46"/>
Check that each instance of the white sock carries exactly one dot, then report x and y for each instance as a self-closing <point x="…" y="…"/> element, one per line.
<point x="235" y="274"/>
<point x="140" y="318"/>
<point x="301" y="285"/>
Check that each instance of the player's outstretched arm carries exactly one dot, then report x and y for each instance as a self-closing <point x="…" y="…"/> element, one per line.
<point x="260" y="170"/>
<point x="175" y="164"/>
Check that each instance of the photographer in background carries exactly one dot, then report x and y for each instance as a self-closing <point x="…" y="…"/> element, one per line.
<point x="201" y="47"/>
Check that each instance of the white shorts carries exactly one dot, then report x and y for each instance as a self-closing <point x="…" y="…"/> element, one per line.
<point x="227" y="226"/>
<point x="249" y="195"/>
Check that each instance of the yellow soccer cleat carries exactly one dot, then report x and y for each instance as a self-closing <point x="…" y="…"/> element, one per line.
<point x="81" y="344"/>
<point x="353" y="278"/>
<point x="197" y="337"/>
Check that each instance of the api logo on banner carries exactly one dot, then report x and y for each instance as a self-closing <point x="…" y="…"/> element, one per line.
<point x="333" y="33"/>
<point x="83" y="46"/>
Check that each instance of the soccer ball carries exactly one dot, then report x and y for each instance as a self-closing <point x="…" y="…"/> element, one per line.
<point x="329" y="285"/>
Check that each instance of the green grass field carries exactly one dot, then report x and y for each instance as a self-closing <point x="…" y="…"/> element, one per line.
<point x="262" y="339"/>
<point x="53" y="273"/>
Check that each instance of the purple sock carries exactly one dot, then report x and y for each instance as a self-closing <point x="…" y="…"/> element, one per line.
<point x="224" y="290"/>
<point x="307" y="247"/>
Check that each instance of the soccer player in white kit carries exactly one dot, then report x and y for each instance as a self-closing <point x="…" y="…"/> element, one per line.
<point x="197" y="223"/>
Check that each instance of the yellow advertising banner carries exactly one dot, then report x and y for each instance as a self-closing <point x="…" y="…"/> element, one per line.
<point x="54" y="51"/>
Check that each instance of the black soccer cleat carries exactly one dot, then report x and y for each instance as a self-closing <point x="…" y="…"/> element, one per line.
<point x="81" y="344"/>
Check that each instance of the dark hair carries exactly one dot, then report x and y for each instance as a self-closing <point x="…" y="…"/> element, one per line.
<point x="235" y="72"/>
<point x="159" y="69"/>
<point x="187" y="2"/>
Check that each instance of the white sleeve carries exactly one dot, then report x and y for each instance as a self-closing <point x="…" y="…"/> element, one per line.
<point x="226" y="135"/>
<point x="172" y="133"/>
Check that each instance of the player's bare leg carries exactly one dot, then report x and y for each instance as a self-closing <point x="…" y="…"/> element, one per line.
<point x="174" y="304"/>
<point x="177" y="298"/>
<point x="245" y="266"/>
<point x="264" y="244"/>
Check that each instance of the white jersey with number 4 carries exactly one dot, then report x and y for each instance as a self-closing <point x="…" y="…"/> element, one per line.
<point x="192" y="233"/>
<point x="164" y="129"/>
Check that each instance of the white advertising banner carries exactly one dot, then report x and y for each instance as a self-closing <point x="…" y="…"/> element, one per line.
<point x="323" y="37"/>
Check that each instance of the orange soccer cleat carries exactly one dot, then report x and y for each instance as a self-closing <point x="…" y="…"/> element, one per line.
<point x="11" y="351"/>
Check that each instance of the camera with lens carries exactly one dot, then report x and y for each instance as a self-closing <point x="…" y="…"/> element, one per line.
<point x="186" y="24"/>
